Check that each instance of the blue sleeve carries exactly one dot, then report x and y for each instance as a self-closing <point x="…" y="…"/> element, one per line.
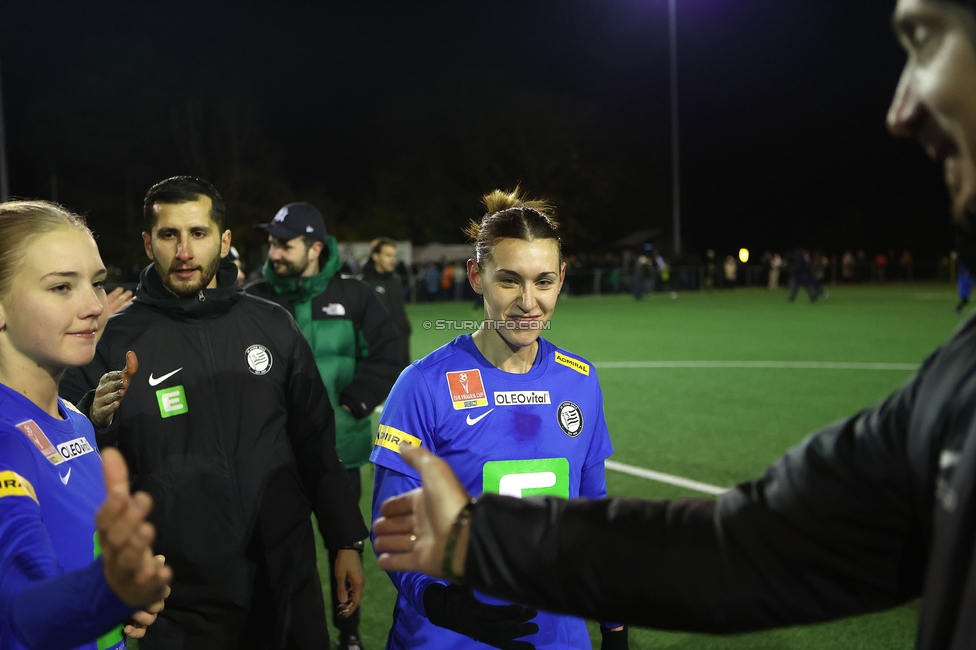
<point x="593" y="482"/>
<point x="65" y="612"/>
<point x="600" y="446"/>
<point x="26" y="553"/>
<point x="408" y="417"/>
<point x="411" y="585"/>
<point x="42" y="606"/>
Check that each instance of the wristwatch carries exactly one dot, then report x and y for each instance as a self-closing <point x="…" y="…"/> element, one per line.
<point x="359" y="546"/>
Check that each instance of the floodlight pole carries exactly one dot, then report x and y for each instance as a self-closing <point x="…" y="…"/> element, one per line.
<point x="4" y="180"/>
<point x="675" y="151"/>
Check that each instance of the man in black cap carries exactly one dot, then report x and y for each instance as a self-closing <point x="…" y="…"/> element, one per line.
<point x="353" y="338"/>
<point x="868" y="513"/>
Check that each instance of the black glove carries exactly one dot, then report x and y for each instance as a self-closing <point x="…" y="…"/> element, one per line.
<point x="356" y="408"/>
<point x="455" y="608"/>
<point x="614" y="640"/>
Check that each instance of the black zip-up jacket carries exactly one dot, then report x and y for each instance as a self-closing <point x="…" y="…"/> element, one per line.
<point x="390" y="292"/>
<point x="864" y="515"/>
<point x="228" y="426"/>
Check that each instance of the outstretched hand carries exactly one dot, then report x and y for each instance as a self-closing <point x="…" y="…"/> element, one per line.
<point x="136" y="577"/>
<point x="136" y="626"/>
<point x="111" y="389"/>
<point x="117" y="299"/>
<point x="412" y="532"/>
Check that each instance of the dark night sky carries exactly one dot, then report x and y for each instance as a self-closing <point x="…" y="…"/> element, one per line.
<point x="372" y="109"/>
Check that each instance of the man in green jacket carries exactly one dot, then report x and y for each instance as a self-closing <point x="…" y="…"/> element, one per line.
<point x="354" y="340"/>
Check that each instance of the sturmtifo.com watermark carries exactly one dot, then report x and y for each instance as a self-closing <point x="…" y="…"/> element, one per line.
<point x="469" y="325"/>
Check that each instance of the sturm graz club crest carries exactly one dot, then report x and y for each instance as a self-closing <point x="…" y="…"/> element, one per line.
<point x="258" y="359"/>
<point x="570" y="419"/>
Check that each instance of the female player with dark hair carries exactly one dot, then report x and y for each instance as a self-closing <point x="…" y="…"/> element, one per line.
<point x="70" y="571"/>
<point x="512" y="414"/>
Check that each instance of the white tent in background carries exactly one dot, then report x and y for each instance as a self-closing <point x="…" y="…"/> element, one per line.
<point x="442" y="252"/>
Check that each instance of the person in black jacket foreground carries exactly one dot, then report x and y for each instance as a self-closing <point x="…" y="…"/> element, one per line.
<point x="353" y="339"/>
<point x="228" y="426"/>
<point x="864" y="515"/>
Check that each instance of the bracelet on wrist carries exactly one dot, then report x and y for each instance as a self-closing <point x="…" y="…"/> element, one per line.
<point x="450" y="547"/>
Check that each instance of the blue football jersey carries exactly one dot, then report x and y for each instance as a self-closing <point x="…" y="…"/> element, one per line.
<point x="51" y="487"/>
<point x="538" y="433"/>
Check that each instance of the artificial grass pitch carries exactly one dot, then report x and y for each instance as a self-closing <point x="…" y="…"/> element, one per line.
<point x="721" y="425"/>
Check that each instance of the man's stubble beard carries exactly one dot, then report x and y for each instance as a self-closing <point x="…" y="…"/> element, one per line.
<point x="290" y="270"/>
<point x="207" y="275"/>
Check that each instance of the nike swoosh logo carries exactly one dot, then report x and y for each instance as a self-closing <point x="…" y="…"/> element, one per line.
<point x="470" y="420"/>
<point x="66" y="477"/>
<point x="155" y="381"/>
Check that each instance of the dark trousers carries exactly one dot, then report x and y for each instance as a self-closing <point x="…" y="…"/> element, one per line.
<point x="814" y="290"/>
<point x="348" y="625"/>
<point x="268" y="598"/>
<point x="285" y="612"/>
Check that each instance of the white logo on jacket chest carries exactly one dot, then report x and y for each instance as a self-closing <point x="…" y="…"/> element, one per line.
<point x="945" y="493"/>
<point x="155" y="381"/>
<point x="334" y="309"/>
<point x="258" y="359"/>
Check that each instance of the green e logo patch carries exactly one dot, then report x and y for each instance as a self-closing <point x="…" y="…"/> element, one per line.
<point x="172" y="401"/>
<point x="526" y="478"/>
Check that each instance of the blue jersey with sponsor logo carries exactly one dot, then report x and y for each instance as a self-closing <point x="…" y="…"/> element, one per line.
<point x="52" y="588"/>
<point x="538" y="433"/>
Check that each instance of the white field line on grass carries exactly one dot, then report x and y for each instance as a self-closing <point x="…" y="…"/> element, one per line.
<point x="661" y="477"/>
<point x="791" y="365"/>
<point x="697" y="486"/>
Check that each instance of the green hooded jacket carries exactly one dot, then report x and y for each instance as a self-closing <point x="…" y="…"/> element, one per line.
<point x="353" y="339"/>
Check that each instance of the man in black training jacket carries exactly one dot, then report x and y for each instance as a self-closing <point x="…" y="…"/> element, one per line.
<point x="228" y="426"/>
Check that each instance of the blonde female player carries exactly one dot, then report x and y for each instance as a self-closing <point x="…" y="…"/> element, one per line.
<point x="62" y="584"/>
<point x="512" y="414"/>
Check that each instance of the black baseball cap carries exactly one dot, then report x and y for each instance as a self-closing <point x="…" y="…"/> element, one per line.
<point x="295" y="220"/>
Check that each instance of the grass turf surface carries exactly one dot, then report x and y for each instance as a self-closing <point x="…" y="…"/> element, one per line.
<point x="721" y="425"/>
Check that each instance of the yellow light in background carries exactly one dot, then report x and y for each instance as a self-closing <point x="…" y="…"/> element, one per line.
<point x="743" y="255"/>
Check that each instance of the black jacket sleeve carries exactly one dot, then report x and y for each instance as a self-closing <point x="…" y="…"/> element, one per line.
<point x="378" y="371"/>
<point x="832" y="529"/>
<point x="311" y="429"/>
